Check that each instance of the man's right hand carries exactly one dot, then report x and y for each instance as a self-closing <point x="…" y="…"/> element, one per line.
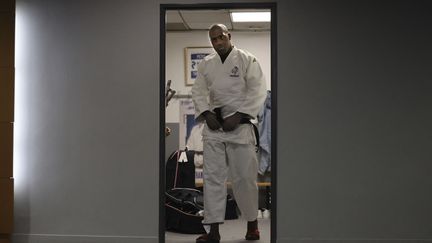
<point x="211" y="120"/>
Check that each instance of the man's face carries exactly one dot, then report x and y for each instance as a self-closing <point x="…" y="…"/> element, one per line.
<point x="221" y="41"/>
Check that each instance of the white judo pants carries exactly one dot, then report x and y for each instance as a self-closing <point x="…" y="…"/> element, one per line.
<point x="241" y="162"/>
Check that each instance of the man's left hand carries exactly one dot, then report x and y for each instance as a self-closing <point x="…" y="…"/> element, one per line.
<point x="231" y="122"/>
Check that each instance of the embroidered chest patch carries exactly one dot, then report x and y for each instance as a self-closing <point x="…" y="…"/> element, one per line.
<point x="235" y="72"/>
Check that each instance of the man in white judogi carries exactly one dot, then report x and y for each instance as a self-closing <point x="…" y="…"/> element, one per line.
<point x="230" y="89"/>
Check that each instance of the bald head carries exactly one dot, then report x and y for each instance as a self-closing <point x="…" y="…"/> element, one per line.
<point x="220" y="38"/>
<point x="220" y="27"/>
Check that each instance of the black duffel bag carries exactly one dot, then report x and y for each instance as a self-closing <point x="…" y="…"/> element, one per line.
<point x="184" y="210"/>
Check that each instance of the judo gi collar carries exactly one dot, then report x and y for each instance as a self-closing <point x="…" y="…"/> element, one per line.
<point x="224" y="57"/>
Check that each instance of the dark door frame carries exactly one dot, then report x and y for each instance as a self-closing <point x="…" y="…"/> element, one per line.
<point x="212" y="6"/>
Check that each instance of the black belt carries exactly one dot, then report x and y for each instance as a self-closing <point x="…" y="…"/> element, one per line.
<point x="248" y="121"/>
<point x="242" y="121"/>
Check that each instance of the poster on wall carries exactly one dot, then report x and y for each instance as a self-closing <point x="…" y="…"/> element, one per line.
<point x="187" y="121"/>
<point x="193" y="56"/>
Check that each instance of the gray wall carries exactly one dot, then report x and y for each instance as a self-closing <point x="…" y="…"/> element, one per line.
<point x="354" y="138"/>
<point x="87" y="121"/>
<point x="354" y="133"/>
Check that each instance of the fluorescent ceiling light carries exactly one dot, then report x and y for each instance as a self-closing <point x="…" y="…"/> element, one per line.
<point x="251" y="16"/>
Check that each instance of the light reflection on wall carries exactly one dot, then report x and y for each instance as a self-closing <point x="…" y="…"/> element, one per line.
<point x="22" y="30"/>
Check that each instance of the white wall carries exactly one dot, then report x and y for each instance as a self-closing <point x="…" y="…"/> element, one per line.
<point x="257" y="43"/>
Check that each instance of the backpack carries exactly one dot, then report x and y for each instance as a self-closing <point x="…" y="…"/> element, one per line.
<point x="180" y="174"/>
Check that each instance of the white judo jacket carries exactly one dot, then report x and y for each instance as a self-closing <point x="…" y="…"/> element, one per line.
<point x="237" y="85"/>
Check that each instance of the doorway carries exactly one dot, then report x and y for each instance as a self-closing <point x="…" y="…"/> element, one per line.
<point x="187" y="26"/>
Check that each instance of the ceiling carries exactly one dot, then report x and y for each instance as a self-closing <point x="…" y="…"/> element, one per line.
<point x="189" y="20"/>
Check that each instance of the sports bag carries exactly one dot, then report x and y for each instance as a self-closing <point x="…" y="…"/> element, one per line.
<point x="180" y="174"/>
<point x="184" y="210"/>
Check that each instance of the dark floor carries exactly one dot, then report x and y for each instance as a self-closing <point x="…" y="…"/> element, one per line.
<point x="232" y="231"/>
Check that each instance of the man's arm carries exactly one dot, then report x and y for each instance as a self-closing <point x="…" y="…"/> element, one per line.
<point x="255" y="95"/>
<point x="256" y="89"/>
<point x="200" y="94"/>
